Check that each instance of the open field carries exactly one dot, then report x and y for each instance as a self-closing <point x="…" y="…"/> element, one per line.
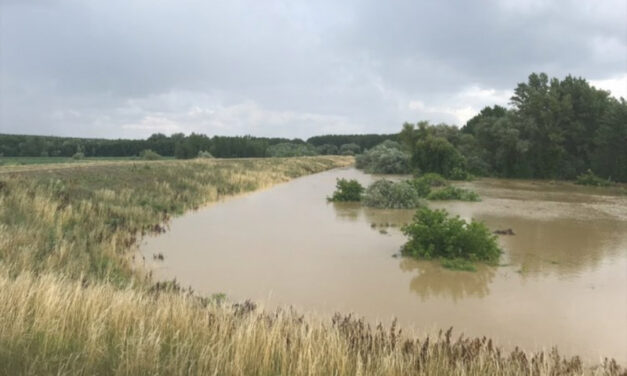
<point x="20" y="161"/>
<point x="73" y="302"/>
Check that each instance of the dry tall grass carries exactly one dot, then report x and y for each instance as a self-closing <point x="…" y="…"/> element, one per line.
<point x="71" y="304"/>
<point x="52" y="325"/>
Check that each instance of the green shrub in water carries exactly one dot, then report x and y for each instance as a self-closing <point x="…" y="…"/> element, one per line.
<point x="458" y="173"/>
<point x="434" y="234"/>
<point x="424" y="183"/>
<point x="347" y="190"/>
<point x="391" y="195"/>
<point x="453" y="193"/>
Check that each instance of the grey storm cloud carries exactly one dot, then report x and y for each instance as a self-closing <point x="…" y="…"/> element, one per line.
<point x="287" y="68"/>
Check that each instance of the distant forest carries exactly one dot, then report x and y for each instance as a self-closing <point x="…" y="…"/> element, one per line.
<point x="554" y="129"/>
<point x="181" y="146"/>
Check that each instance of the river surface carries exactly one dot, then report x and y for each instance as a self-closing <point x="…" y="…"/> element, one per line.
<point x="563" y="279"/>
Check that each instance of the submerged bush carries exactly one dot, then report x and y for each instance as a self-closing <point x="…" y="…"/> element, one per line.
<point x="385" y="158"/>
<point x="391" y="195"/>
<point x="453" y="193"/>
<point x="433" y="179"/>
<point x="149" y="155"/>
<point x="347" y="190"/>
<point x="434" y="234"/>
<point x="424" y="183"/>
<point x="458" y="173"/>
<point x="590" y="178"/>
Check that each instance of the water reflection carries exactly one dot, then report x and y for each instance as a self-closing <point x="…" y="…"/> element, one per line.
<point x="564" y="246"/>
<point x="432" y="280"/>
<point x="354" y="211"/>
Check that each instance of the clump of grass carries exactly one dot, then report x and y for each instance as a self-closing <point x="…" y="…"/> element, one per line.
<point x="391" y="195"/>
<point x="590" y="178"/>
<point x="453" y="193"/>
<point x="434" y="234"/>
<point x="347" y="190"/>
<point x="53" y="325"/>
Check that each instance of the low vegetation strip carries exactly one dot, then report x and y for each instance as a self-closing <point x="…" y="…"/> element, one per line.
<point x="53" y="325"/>
<point x="82" y="219"/>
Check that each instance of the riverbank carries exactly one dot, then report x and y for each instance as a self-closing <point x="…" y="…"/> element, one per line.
<point x="73" y="302"/>
<point x="82" y="220"/>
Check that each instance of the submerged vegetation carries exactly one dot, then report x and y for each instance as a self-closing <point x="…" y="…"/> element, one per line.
<point x="391" y="195"/>
<point x="347" y="190"/>
<point x="453" y="193"/>
<point x="433" y="234"/>
<point x="408" y="194"/>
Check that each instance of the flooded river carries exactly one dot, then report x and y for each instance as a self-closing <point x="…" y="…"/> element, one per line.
<point x="563" y="281"/>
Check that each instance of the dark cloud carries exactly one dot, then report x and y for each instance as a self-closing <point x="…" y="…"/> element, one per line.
<point x="292" y="68"/>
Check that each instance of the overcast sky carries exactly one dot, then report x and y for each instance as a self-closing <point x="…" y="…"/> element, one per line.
<point x="130" y="68"/>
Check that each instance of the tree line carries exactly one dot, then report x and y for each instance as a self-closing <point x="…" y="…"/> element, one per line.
<point x="184" y="146"/>
<point x="555" y="129"/>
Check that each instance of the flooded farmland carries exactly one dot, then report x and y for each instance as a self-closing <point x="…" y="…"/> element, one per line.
<point x="562" y="281"/>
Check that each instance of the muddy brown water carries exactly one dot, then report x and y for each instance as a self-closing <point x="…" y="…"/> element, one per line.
<point x="563" y="281"/>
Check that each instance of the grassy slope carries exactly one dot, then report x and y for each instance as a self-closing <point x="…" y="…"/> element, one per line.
<point x="71" y="303"/>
